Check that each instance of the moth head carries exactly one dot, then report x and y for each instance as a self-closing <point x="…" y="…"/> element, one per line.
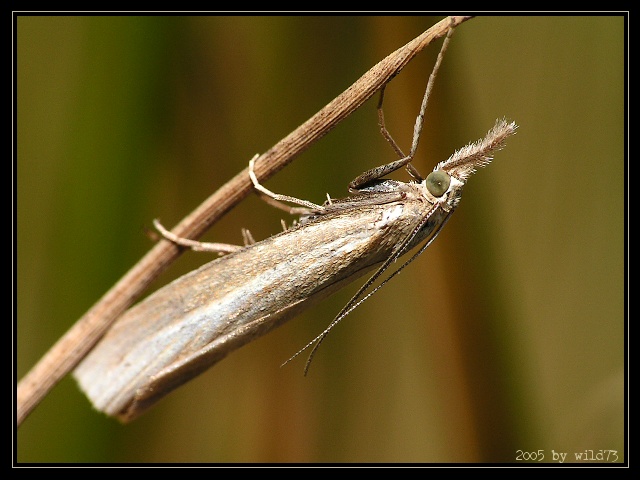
<point x="444" y="189"/>
<point x="446" y="181"/>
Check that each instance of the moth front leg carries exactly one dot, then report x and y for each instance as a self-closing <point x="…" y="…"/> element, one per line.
<point x="378" y="172"/>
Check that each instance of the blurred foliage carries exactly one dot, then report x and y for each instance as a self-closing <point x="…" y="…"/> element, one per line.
<point x="507" y="335"/>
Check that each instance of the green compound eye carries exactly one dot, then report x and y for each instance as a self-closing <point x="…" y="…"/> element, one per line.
<point x="438" y="183"/>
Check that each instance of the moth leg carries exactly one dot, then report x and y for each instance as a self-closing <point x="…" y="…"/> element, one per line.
<point x="220" y="248"/>
<point x="387" y="136"/>
<point x="283" y="206"/>
<point x="247" y="237"/>
<point x="275" y="199"/>
<point x="405" y="160"/>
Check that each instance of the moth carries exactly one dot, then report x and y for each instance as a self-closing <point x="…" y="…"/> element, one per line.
<point x="190" y="324"/>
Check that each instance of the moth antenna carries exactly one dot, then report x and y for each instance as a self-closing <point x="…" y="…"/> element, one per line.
<point x="464" y="162"/>
<point x="356" y="300"/>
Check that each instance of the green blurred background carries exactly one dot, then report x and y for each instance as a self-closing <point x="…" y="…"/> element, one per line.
<point x="506" y="336"/>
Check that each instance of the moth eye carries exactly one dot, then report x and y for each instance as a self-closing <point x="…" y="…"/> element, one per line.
<point x="438" y="183"/>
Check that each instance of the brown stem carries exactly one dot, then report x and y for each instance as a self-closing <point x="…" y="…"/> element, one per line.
<point x="80" y="339"/>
